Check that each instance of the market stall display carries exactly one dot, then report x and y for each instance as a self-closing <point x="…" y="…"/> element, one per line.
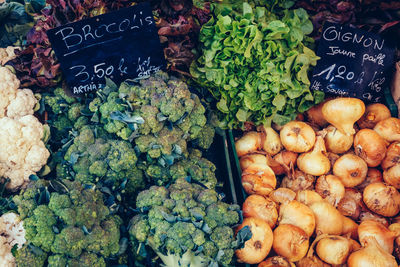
<point x="199" y="133"/>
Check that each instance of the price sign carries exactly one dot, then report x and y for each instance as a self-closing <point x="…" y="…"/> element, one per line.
<point x="119" y="45"/>
<point x="353" y="63"/>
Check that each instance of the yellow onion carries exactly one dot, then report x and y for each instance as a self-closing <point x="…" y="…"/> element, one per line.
<point x="368" y="230"/>
<point x="261" y="207"/>
<point x="258" y="246"/>
<point x="371" y="256"/>
<point x="315" y="117"/>
<point x="350" y="169"/>
<point x="271" y="142"/>
<point x="351" y="204"/>
<point x="298" y="180"/>
<point x="258" y="179"/>
<point x="330" y="188"/>
<point x="392" y="156"/>
<point x="374" y="113"/>
<point x="311" y="261"/>
<point x="315" y="162"/>
<point x="389" y="129"/>
<point x="350" y="228"/>
<point x="333" y="249"/>
<point x="343" y="112"/>
<point x="297" y="136"/>
<point x="282" y="195"/>
<point x="276" y="261"/>
<point x="298" y="214"/>
<point x="370" y="146"/>
<point x="382" y="199"/>
<point x="308" y="197"/>
<point x="392" y="176"/>
<point x="336" y="141"/>
<point x="250" y="142"/>
<point x="354" y="245"/>
<point x="367" y="215"/>
<point x="373" y="176"/>
<point x="285" y="160"/>
<point x="395" y="227"/>
<point x="251" y="159"/>
<point x="290" y="242"/>
<point x="328" y="220"/>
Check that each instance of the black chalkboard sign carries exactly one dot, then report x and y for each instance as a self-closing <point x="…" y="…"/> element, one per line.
<point x="120" y="45"/>
<point x="353" y="63"/>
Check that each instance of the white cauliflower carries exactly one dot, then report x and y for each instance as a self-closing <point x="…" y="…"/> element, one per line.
<point x="7" y="54"/>
<point x="22" y="151"/>
<point x="12" y="233"/>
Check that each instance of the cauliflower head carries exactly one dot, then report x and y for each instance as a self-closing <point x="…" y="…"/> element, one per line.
<point x="22" y="151"/>
<point x="7" y="54"/>
<point x="12" y="233"/>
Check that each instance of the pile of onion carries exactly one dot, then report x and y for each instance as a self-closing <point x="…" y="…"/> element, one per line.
<point x="323" y="189"/>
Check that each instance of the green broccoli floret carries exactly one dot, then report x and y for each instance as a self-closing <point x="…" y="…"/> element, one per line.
<point x="174" y="223"/>
<point x="159" y="114"/>
<point x="194" y="166"/>
<point x="72" y="225"/>
<point x="30" y="256"/>
<point x="106" y="161"/>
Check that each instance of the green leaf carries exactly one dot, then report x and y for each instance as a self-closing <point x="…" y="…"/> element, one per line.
<point x="241" y="115"/>
<point x="279" y="102"/>
<point x="221" y="105"/>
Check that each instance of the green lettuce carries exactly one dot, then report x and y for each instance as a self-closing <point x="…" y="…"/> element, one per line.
<point x="256" y="63"/>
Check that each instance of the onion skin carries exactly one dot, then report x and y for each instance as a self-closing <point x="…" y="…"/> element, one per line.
<point x="328" y="219"/>
<point x="343" y="112"/>
<point x="350" y="228"/>
<point x="250" y="142"/>
<point x="392" y="157"/>
<point x="276" y="261"/>
<point x="261" y="207"/>
<point x="368" y="215"/>
<point x="250" y="159"/>
<point x="374" y="113"/>
<point x="308" y="197"/>
<point x="337" y="142"/>
<point x="330" y="188"/>
<point x="298" y="181"/>
<point x="395" y="227"/>
<point x="389" y="129"/>
<point x="392" y="176"/>
<point x="371" y="256"/>
<point x="297" y="136"/>
<point x="315" y="162"/>
<point x="286" y="160"/>
<point x="258" y="179"/>
<point x="373" y="176"/>
<point x="354" y="245"/>
<point x="350" y="169"/>
<point x="333" y="249"/>
<point x="271" y="142"/>
<point x="297" y="214"/>
<point x="374" y="230"/>
<point x="290" y="242"/>
<point x="311" y="262"/>
<point x="351" y="204"/>
<point x="369" y="146"/>
<point x="382" y="199"/>
<point x="332" y="157"/>
<point x="259" y="245"/>
<point x="314" y="115"/>
<point x="282" y="195"/>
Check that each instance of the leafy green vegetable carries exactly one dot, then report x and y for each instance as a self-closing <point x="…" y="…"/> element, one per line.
<point x="15" y="20"/>
<point x="256" y="63"/>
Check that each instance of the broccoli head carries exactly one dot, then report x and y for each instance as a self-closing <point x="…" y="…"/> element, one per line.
<point x="69" y="223"/>
<point x="102" y="160"/>
<point x="174" y="222"/>
<point x="196" y="167"/>
<point x="30" y="256"/>
<point x="159" y="113"/>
